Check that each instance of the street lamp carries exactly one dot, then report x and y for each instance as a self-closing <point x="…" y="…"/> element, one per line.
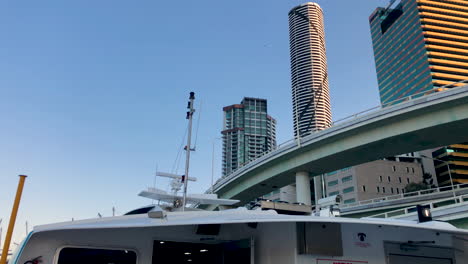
<point x="212" y="163"/>
<point x="448" y="167"/>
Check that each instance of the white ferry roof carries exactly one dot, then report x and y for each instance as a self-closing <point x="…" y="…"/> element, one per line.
<point x="233" y="216"/>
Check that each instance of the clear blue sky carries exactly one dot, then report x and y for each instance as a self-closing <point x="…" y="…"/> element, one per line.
<point x="93" y="93"/>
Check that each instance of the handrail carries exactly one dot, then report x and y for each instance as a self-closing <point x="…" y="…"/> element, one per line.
<point x="463" y="186"/>
<point x="295" y="142"/>
<point x="411" y="209"/>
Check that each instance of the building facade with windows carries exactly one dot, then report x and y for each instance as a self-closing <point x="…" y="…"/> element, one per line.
<point x="248" y="132"/>
<point x="372" y="180"/>
<point x="422" y="45"/>
<point x="366" y="181"/>
<point x="419" y="45"/>
<point x="309" y="78"/>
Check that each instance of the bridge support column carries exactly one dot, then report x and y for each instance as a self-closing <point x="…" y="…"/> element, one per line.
<point x="303" y="194"/>
<point x="318" y="190"/>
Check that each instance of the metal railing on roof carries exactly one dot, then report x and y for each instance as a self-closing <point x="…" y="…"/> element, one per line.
<point x="296" y="142"/>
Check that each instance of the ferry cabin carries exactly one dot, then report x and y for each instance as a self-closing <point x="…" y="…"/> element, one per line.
<point x="242" y="237"/>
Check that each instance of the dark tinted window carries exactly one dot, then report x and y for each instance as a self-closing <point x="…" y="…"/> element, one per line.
<point x="391" y="18"/>
<point x="233" y="252"/>
<point x="96" y="256"/>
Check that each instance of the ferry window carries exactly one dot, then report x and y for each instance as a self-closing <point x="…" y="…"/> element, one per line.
<point x="232" y="252"/>
<point x="96" y="256"/>
<point x="307" y="233"/>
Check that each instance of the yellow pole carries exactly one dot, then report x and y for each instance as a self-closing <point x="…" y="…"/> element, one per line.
<point x="11" y="225"/>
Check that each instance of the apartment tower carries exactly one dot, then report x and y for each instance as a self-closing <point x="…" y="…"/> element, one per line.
<point x="248" y="132"/>
<point x="422" y="45"/>
<point x="309" y="82"/>
<point x="310" y="94"/>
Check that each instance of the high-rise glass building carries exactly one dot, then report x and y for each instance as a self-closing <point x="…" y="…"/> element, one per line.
<point x="310" y="94"/>
<point x="455" y="158"/>
<point x="419" y="45"/>
<point x="248" y="132"/>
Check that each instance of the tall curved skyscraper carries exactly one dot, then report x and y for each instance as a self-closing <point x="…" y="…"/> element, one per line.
<point x="310" y="94"/>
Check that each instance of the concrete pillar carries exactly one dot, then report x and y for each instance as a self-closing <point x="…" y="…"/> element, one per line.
<point x="288" y="194"/>
<point x="303" y="187"/>
<point x="318" y="188"/>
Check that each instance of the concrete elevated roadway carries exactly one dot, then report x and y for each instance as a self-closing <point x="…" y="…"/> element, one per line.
<point x="421" y="123"/>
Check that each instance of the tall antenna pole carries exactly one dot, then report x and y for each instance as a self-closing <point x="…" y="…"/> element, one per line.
<point x="188" y="148"/>
<point x="154" y="181"/>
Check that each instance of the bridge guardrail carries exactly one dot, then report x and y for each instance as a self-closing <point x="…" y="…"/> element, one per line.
<point x="447" y="189"/>
<point x="296" y="142"/>
<point x="441" y="203"/>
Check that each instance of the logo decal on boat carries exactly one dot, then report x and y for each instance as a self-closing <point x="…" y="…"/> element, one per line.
<point x="361" y="240"/>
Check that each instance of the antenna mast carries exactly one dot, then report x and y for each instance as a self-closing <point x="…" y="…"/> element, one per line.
<point x="187" y="147"/>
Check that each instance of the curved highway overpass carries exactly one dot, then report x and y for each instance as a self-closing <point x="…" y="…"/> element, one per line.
<point x="422" y="123"/>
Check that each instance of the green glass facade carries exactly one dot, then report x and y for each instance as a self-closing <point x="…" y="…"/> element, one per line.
<point x="422" y="45"/>
<point x="399" y="50"/>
